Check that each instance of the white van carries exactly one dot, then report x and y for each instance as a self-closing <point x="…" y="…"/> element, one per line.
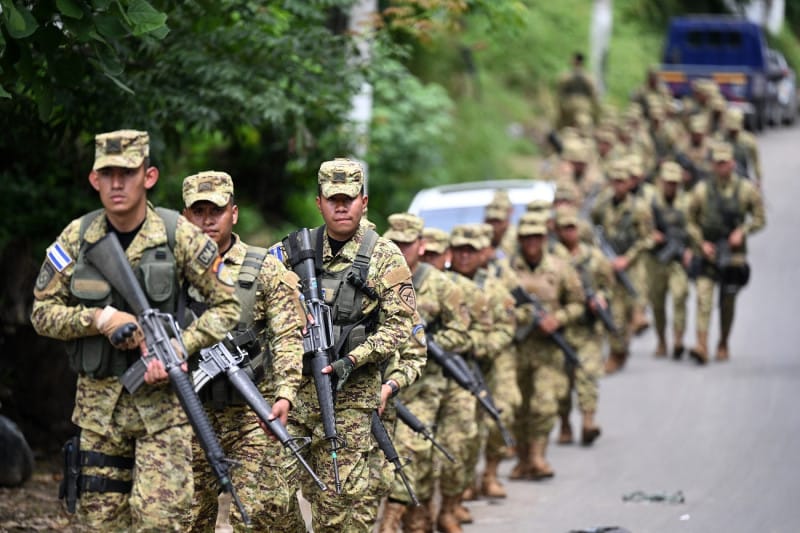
<point x="449" y="205"/>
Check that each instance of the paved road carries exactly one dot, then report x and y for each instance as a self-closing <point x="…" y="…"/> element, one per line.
<point x="727" y="435"/>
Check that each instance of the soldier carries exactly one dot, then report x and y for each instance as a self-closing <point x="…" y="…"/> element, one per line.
<point x="653" y="90"/>
<point x="669" y="257"/>
<point x="723" y="212"/>
<point x="272" y="311"/>
<point x="745" y="147"/>
<point x="587" y="334"/>
<point x="441" y="305"/>
<point x="696" y="155"/>
<point x="365" y="280"/>
<point x="627" y="224"/>
<point x="127" y="439"/>
<point x="543" y="382"/>
<point x="580" y="170"/>
<point x="498" y="215"/>
<point x="576" y="92"/>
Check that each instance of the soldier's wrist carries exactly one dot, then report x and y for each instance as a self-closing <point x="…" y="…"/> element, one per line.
<point x="392" y="384"/>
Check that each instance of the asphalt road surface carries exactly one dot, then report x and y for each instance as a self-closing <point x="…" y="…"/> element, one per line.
<point x="727" y="435"/>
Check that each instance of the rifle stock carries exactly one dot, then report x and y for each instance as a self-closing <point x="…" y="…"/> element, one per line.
<point x="522" y="297"/>
<point x="410" y="419"/>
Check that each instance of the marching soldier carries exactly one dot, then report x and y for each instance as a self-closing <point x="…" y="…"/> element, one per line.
<point x="745" y="146"/>
<point x="576" y="93"/>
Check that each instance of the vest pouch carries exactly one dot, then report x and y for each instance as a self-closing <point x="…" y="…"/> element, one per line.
<point x="158" y="278"/>
<point x="89" y="287"/>
<point x="90" y="356"/>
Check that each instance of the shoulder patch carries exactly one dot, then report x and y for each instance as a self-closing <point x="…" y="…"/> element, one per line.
<point x="223" y="274"/>
<point x="277" y="252"/>
<point x="58" y="257"/>
<point x="45" y="275"/>
<point x="407" y="295"/>
<point x="207" y="254"/>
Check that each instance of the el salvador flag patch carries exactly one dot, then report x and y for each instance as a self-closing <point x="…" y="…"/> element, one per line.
<point x="58" y="257"/>
<point x="277" y="252"/>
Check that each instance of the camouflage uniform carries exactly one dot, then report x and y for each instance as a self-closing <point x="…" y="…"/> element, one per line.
<point x="588" y="333"/>
<point x="277" y="317"/>
<point x="542" y="379"/>
<point x="499" y="209"/>
<point x="576" y="94"/>
<point x="394" y="313"/>
<point x="697" y="151"/>
<point x="149" y="426"/>
<point x="745" y="146"/>
<point x="716" y="208"/>
<point x="669" y="217"/>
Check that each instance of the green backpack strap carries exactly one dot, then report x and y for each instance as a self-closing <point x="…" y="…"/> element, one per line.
<point x="420" y="275"/>
<point x="170" y="218"/>
<point x="86" y="220"/>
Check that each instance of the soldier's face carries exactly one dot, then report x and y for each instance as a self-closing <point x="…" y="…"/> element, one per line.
<point x="531" y="247"/>
<point x="568" y="235"/>
<point x="215" y="221"/>
<point x="723" y="168"/>
<point x="466" y="260"/>
<point x="412" y="251"/>
<point x="342" y="214"/>
<point x="499" y="228"/>
<point x="620" y="187"/>
<point x="437" y="261"/>
<point x="123" y="191"/>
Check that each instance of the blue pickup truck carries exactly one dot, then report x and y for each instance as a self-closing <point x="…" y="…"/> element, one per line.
<point x="730" y="50"/>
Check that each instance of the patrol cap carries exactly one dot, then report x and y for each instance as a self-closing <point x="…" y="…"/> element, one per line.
<point x="468" y="235"/>
<point x="121" y="148"/>
<point x="619" y="170"/>
<point x="635" y="164"/>
<point x="734" y="119"/>
<point x="404" y="227"/>
<point x="567" y="215"/>
<point x="575" y="150"/>
<point x="499" y="207"/>
<point x="698" y="123"/>
<point x="718" y="103"/>
<point x="436" y="240"/>
<point x="488" y="233"/>
<point x="566" y="192"/>
<point x="532" y="224"/>
<point x="721" y="151"/>
<point x="538" y="206"/>
<point x="633" y="112"/>
<point x="605" y="133"/>
<point x="671" y="171"/>
<point x="340" y="176"/>
<point x="211" y="185"/>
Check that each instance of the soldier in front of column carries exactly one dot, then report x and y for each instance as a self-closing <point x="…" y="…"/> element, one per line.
<point x="367" y="284"/>
<point x="587" y="334"/>
<point x="542" y="378"/>
<point x="576" y="93"/>
<point x="273" y="315"/>
<point x="670" y="256"/>
<point x="135" y="448"/>
<point x="627" y="224"/>
<point x="723" y="212"/>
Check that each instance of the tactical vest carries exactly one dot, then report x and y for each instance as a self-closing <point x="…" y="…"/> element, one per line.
<point x="157" y="274"/>
<point x="343" y="292"/>
<point x="624" y="234"/>
<point x="721" y="215"/>
<point x="576" y="85"/>
<point x="669" y="220"/>
<point x="220" y="394"/>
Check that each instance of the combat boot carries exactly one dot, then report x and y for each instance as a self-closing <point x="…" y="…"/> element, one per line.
<point x="417" y="518"/>
<point x="540" y="469"/>
<point x="565" y="435"/>
<point x="639" y="321"/>
<point x="590" y="430"/>
<point x="615" y="361"/>
<point x="678" y="349"/>
<point x="392" y="515"/>
<point x="471" y="493"/>
<point x="462" y="513"/>
<point x="490" y="486"/>
<point x="522" y="469"/>
<point x="700" y="351"/>
<point x="447" y="521"/>
<point x="661" y="349"/>
<point x="722" y="351"/>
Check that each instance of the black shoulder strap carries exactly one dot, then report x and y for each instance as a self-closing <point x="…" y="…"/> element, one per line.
<point x="317" y="235"/>
<point x="364" y="253"/>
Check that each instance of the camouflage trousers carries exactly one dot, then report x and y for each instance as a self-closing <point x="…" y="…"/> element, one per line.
<point x="543" y="385"/>
<point x="381" y="472"/>
<point x="705" y="305"/>
<point x="670" y="278"/>
<point x="261" y="477"/>
<point x="456" y="430"/>
<point x="622" y="306"/>
<point x="162" y="484"/>
<point x="584" y="379"/>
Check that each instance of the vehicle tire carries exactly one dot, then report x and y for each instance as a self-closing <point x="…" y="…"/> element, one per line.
<point x="760" y="118"/>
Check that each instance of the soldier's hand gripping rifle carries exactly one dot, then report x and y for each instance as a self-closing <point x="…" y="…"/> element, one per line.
<point x="386" y="445"/>
<point x="226" y="357"/>
<point x="521" y="297"/>
<point x="160" y="332"/>
<point x="410" y="419"/>
<point x="609" y="252"/>
<point x="318" y="342"/>
<point x="456" y="368"/>
<point x="593" y="302"/>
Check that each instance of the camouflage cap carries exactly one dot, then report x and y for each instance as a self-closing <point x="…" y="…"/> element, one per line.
<point x="671" y="171"/>
<point x="210" y="186"/>
<point x="576" y="150"/>
<point x="633" y="112"/>
<point x="734" y="119"/>
<point x="121" y="148"/>
<point x="698" y="123"/>
<point x="532" y="223"/>
<point x="539" y="205"/>
<point x="721" y="151"/>
<point x="436" y="240"/>
<point x="404" y="227"/>
<point x="567" y="215"/>
<point x="619" y="170"/>
<point x="468" y="235"/>
<point x="566" y="192"/>
<point x="635" y="165"/>
<point x="606" y="133"/>
<point x="718" y="103"/>
<point x="488" y="233"/>
<point x="341" y="176"/>
<point x="500" y="206"/>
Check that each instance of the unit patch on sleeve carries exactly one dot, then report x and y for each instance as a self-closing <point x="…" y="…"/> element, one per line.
<point x="58" y="257"/>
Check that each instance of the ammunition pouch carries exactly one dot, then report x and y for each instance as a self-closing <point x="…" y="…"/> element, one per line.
<point x="74" y="483"/>
<point x="737" y="276"/>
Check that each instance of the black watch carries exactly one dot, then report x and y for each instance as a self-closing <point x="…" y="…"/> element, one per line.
<point x="393" y="385"/>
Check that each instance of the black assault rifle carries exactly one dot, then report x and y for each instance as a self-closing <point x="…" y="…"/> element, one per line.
<point x="593" y="302"/>
<point x="456" y="368"/>
<point x="521" y="297"/>
<point x="225" y="358"/>
<point x="160" y="332"/>
<point x="611" y="254"/>
<point x="318" y="342"/>
<point x="410" y="419"/>
<point x="386" y="445"/>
